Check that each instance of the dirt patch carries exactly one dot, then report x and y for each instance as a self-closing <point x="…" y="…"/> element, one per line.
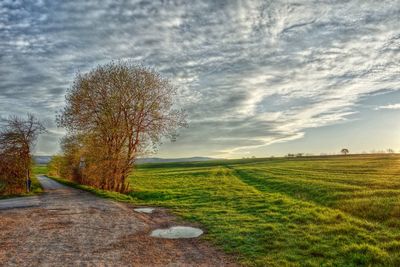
<point x="72" y="227"/>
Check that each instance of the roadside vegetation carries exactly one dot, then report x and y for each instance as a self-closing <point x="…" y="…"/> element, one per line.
<point x="332" y="211"/>
<point x="18" y="135"/>
<point x="36" y="188"/>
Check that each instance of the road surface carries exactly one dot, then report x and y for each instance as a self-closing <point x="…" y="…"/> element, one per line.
<point x="19" y="202"/>
<point x="70" y="227"/>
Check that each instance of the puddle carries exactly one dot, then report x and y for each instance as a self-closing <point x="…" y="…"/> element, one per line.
<point x="144" y="210"/>
<point x="177" y="232"/>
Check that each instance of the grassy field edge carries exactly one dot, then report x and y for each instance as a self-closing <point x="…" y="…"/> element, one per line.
<point x="98" y="192"/>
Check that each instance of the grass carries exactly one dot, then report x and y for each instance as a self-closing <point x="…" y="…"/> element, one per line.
<point x="322" y="211"/>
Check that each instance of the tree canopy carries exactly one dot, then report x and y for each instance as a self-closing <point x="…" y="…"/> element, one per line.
<point x="113" y="114"/>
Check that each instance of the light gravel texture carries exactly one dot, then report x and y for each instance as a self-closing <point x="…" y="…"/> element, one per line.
<point x="71" y="227"/>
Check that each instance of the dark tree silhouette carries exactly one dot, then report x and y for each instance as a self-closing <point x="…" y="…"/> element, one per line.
<point x="344" y="151"/>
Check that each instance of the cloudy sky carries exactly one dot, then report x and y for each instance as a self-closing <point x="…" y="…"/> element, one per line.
<point x="256" y="77"/>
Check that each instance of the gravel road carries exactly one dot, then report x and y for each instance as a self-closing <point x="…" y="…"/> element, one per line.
<point x="70" y="227"/>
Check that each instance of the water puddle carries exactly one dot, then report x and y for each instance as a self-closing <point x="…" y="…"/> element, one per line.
<point x="177" y="232"/>
<point x="144" y="210"/>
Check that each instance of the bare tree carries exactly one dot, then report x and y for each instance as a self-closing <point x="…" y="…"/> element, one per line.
<point x="120" y="111"/>
<point x="344" y="151"/>
<point x="18" y="135"/>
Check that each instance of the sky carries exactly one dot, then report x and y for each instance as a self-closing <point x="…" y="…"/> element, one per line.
<point x="256" y="78"/>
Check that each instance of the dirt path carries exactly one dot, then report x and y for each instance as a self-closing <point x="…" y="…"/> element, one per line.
<point x="70" y="227"/>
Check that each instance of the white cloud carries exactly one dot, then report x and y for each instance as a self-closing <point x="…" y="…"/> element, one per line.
<point x="390" y="106"/>
<point x="251" y="73"/>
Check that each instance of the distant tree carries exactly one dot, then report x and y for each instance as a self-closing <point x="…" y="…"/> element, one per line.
<point x="390" y="151"/>
<point x="344" y="151"/>
<point x="56" y="166"/>
<point x="18" y="135"/>
<point x="114" y="114"/>
<point x="299" y="155"/>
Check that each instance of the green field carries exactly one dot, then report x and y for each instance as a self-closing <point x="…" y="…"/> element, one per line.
<point x="330" y="211"/>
